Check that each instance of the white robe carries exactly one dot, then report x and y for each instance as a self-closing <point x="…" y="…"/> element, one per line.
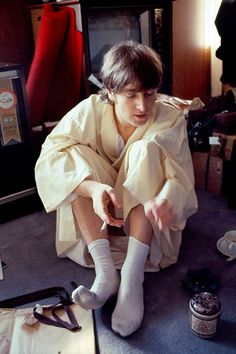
<point x="84" y="143"/>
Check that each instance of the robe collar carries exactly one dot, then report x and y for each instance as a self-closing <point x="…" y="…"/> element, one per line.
<point x="109" y="134"/>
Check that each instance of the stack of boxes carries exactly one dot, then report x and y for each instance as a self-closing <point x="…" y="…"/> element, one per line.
<point x="215" y="170"/>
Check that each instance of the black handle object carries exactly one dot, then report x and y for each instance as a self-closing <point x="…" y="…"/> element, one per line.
<point x="63" y="302"/>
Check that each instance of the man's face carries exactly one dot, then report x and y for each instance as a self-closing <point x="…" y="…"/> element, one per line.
<point x="132" y="107"/>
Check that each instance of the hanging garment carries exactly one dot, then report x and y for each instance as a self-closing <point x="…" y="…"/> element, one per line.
<point x="54" y="82"/>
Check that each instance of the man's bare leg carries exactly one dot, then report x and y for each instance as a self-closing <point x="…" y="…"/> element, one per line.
<point x="130" y="295"/>
<point x="89" y="222"/>
<point x="107" y="281"/>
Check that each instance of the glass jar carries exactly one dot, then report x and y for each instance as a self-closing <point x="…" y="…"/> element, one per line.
<point x="204" y="314"/>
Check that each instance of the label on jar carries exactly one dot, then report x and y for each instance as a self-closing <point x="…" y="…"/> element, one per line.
<point x="204" y="327"/>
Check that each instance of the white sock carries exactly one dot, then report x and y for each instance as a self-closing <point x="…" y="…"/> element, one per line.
<point x="129" y="310"/>
<point x="106" y="282"/>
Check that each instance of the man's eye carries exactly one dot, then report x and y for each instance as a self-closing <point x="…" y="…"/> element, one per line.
<point x="149" y="93"/>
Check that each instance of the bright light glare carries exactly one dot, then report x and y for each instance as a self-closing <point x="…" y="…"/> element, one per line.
<point x="212" y="38"/>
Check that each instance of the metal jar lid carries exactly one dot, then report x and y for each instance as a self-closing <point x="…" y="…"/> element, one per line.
<point x="205" y="304"/>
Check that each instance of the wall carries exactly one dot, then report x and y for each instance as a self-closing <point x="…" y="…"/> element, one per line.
<point x="191" y="58"/>
<point x="16" y="39"/>
<point x="216" y="64"/>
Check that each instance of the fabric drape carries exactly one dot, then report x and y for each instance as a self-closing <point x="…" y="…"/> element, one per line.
<point x="54" y="82"/>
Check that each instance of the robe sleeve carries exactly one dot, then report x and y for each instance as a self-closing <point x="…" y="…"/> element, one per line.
<point x="178" y="189"/>
<point x="60" y="168"/>
<point x="179" y="192"/>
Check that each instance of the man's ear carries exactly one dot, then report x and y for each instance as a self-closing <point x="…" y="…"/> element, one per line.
<point x="111" y="96"/>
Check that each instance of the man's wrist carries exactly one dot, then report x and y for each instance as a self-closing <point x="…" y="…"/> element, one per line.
<point x="85" y="188"/>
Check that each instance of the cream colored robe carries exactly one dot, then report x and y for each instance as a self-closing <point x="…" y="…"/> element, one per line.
<point x="90" y="127"/>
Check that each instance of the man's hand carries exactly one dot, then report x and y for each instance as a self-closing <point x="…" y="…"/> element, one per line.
<point x="159" y="211"/>
<point x="102" y="195"/>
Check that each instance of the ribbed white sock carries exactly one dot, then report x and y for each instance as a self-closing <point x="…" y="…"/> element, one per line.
<point x="106" y="282"/>
<point x="129" y="310"/>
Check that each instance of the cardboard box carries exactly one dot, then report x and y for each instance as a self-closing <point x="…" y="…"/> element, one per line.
<point x="200" y="168"/>
<point x="220" y="164"/>
<point x="215" y="175"/>
<point x="224" y="150"/>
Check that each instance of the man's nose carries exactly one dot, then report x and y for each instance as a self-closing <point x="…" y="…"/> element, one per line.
<point x="141" y="103"/>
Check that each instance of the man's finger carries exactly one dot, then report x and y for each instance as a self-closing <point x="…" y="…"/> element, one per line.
<point x="114" y="199"/>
